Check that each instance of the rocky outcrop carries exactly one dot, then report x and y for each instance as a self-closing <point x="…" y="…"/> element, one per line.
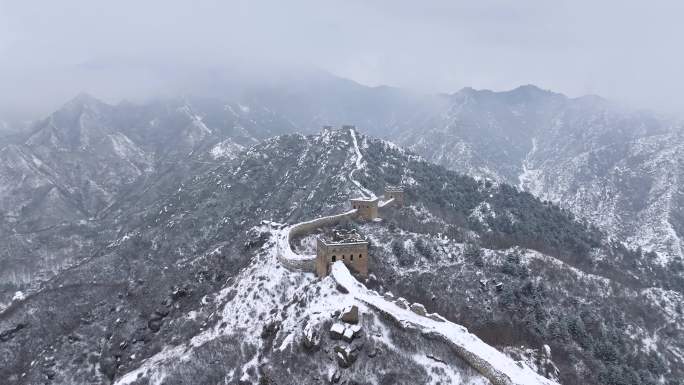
<point x="156" y="320"/>
<point x="418" y="309"/>
<point x="345" y="356"/>
<point x="350" y="314"/>
<point x="337" y="331"/>
<point x="340" y="331"/>
<point x="8" y="334"/>
<point x="311" y="338"/>
<point x="402" y="303"/>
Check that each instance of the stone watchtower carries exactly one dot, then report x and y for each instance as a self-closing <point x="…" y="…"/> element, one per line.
<point x="396" y="193"/>
<point x="366" y="208"/>
<point x="352" y="250"/>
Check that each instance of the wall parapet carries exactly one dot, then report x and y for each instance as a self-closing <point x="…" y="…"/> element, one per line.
<point x="294" y="261"/>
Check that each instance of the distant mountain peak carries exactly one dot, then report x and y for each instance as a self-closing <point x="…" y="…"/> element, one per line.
<point x="523" y="91"/>
<point x="593" y="100"/>
<point x="84" y="100"/>
<point x="529" y="88"/>
<point x="531" y="91"/>
<point x="470" y="91"/>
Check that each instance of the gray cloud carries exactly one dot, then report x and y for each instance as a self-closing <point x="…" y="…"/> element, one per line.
<point x="625" y="50"/>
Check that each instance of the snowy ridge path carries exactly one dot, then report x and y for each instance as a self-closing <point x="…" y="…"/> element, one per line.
<point x="490" y="362"/>
<point x="359" y="164"/>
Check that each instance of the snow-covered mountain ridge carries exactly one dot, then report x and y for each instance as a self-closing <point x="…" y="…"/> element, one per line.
<point x="88" y="160"/>
<point x="189" y="273"/>
<point x="615" y="166"/>
<point x="588" y="154"/>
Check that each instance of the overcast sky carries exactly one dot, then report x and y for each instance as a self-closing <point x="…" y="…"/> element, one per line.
<point x="626" y="50"/>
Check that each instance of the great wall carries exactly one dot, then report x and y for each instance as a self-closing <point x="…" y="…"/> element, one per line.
<point x="365" y="207"/>
<point x="495" y="366"/>
<point x="498" y="368"/>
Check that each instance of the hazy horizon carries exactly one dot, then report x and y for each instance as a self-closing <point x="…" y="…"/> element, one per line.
<point x="126" y="50"/>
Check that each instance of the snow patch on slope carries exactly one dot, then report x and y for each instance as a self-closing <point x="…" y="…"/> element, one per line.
<point x="359" y="165"/>
<point x="227" y="149"/>
<point x="529" y="179"/>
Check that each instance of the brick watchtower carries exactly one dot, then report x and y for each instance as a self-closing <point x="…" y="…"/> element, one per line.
<point x="366" y="208"/>
<point x="353" y="251"/>
<point x="396" y="192"/>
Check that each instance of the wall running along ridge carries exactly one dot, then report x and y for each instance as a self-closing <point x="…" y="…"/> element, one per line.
<point x="498" y="368"/>
<point x="489" y="361"/>
<point x="307" y="263"/>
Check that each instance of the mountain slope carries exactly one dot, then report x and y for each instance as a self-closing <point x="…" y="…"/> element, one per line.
<point x="63" y="189"/>
<point x="568" y="150"/>
<point x="187" y="291"/>
<point x="614" y="166"/>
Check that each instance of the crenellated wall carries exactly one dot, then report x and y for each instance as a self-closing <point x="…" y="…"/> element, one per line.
<point x="293" y="261"/>
<point x="361" y="208"/>
<point x="309" y="226"/>
<point x="303" y="264"/>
